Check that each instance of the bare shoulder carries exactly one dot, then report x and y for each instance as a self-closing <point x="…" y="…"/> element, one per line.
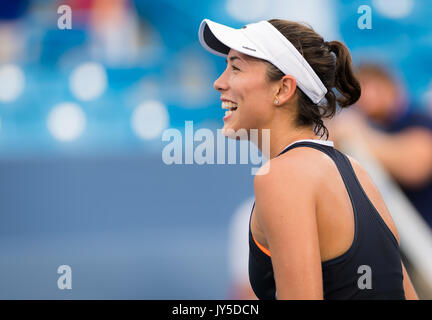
<point x="305" y="162"/>
<point x="281" y="192"/>
<point x="301" y="168"/>
<point x="290" y="178"/>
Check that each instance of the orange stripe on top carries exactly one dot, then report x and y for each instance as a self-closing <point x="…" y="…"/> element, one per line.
<point x="261" y="247"/>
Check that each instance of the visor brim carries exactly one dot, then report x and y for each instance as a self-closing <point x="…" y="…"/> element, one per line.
<point x="219" y="39"/>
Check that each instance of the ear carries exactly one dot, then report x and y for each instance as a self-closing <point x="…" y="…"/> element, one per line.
<point x="287" y="88"/>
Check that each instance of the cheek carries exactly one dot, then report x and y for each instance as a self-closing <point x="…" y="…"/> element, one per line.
<point x="258" y="102"/>
<point x="253" y="94"/>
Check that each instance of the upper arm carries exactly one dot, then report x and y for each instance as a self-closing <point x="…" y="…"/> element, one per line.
<point x="286" y="213"/>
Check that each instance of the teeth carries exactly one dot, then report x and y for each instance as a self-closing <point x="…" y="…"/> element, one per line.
<point x="227" y="113"/>
<point x="228" y="105"/>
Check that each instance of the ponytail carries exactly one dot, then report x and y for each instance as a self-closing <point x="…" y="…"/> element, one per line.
<point x="345" y="81"/>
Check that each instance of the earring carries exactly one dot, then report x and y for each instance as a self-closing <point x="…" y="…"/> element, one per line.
<point x="276" y="101"/>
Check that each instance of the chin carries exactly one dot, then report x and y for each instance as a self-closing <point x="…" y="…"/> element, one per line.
<point x="235" y="133"/>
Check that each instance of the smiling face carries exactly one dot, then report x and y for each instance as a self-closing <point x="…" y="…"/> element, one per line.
<point x="244" y="85"/>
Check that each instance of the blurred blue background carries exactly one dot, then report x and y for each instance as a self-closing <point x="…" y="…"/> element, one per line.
<point x="82" y="111"/>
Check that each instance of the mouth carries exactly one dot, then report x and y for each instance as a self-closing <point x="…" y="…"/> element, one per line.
<point x="230" y="106"/>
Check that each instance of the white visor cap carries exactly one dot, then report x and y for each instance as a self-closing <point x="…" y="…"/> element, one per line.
<point x="262" y="40"/>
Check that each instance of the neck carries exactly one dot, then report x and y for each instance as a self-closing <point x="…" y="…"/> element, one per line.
<point x="279" y="139"/>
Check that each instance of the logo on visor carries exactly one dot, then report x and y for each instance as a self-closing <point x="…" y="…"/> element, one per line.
<point x="248" y="48"/>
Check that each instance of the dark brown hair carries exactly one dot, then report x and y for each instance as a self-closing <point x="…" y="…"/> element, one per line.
<point x="331" y="61"/>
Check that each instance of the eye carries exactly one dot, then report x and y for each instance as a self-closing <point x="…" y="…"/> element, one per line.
<point x="235" y="68"/>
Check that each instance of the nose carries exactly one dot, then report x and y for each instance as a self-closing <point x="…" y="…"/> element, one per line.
<point x="221" y="83"/>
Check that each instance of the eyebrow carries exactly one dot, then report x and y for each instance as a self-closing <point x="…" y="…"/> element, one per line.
<point x="231" y="59"/>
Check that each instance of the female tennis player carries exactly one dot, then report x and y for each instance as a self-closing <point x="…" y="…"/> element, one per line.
<point x="319" y="228"/>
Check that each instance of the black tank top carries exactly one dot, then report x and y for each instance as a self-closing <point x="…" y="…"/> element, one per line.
<point x="370" y="269"/>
